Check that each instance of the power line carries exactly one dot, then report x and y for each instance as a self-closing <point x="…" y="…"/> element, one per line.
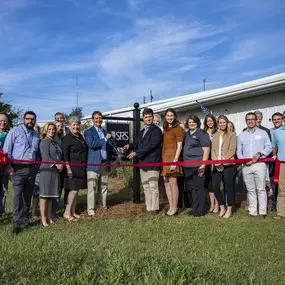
<point x="35" y="97"/>
<point x="37" y="90"/>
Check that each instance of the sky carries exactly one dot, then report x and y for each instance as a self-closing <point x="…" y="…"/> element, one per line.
<point x="123" y="49"/>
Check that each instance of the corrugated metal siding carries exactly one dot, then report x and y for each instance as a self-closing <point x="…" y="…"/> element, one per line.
<point x="236" y="110"/>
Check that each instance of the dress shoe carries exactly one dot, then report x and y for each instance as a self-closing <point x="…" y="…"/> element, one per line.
<point x="27" y="225"/>
<point x="16" y="230"/>
<point x="190" y="213"/>
<point x="277" y="217"/>
<point x="199" y="214"/>
<point x="154" y="212"/>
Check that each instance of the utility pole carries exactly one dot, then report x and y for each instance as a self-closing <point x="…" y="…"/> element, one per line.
<point x="151" y="97"/>
<point x="77" y="90"/>
<point x="204" y="84"/>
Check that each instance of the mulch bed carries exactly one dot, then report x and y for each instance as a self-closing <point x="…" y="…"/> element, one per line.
<point x="119" y="211"/>
<point x="119" y="208"/>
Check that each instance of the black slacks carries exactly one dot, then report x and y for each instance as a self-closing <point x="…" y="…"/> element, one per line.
<point x="23" y="180"/>
<point x="227" y="176"/>
<point x="196" y="186"/>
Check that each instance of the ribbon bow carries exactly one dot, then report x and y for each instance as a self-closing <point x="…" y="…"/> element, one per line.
<point x="4" y="159"/>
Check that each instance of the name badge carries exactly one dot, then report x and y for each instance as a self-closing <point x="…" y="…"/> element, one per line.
<point x="257" y="137"/>
<point x="30" y="155"/>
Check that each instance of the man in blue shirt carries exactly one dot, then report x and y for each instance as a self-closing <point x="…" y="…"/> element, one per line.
<point x="22" y="143"/>
<point x="277" y="123"/>
<point x="254" y="143"/>
<point x="278" y="143"/>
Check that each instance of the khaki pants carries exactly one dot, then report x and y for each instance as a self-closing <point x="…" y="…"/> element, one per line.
<point x="254" y="177"/>
<point x="281" y="192"/>
<point x="94" y="180"/>
<point x="149" y="180"/>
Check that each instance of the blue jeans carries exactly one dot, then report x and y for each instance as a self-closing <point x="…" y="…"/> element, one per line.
<point x="4" y="179"/>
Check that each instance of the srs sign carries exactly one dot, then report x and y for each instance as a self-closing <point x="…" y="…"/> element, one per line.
<point x="120" y="132"/>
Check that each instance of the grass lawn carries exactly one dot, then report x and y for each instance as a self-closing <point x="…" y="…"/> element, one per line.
<point x="144" y="249"/>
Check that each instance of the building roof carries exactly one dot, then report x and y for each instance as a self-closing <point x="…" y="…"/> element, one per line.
<point x="212" y="97"/>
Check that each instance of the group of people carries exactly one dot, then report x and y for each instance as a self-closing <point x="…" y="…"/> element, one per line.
<point x="63" y="148"/>
<point x="217" y="140"/>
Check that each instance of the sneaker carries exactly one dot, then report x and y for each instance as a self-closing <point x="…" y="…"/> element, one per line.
<point x="91" y="214"/>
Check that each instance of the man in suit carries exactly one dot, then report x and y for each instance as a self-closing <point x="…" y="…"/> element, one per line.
<point x="148" y="150"/>
<point x="99" y="152"/>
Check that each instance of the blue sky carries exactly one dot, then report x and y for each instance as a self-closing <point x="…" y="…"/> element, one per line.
<point x="121" y="49"/>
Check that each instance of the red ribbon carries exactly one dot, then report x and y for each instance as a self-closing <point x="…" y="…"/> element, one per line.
<point x="5" y="160"/>
<point x="178" y="163"/>
<point x="277" y="171"/>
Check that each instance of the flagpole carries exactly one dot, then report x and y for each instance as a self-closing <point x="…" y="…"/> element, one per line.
<point x="204" y="84"/>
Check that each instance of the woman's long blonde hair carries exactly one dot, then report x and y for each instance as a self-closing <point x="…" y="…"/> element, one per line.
<point x="45" y="129"/>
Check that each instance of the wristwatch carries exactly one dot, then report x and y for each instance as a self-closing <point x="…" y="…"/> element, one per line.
<point x="261" y="154"/>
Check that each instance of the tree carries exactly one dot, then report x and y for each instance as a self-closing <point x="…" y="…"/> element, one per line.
<point x="13" y="114"/>
<point x="76" y="112"/>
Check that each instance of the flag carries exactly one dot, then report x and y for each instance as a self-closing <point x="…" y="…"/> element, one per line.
<point x="205" y="110"/>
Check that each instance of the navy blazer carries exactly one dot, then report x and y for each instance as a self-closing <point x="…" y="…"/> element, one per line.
<point x="148" y="148"/>
<point x="94" y="144"/>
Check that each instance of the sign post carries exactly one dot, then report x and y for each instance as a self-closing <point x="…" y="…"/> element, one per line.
<point x="136" y="171"/>
<point x="121" y="134"/>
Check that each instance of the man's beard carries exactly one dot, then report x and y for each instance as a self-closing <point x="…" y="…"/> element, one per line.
<point x="29" y="126"/>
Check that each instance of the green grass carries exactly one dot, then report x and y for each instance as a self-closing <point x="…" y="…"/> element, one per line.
<point x="145" y="250"/>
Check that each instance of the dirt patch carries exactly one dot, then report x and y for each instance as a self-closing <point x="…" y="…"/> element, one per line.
<point x="117" y="184"/>
<point x="119" y="211"/>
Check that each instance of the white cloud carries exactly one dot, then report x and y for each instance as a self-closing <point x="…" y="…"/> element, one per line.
<point x="274" y="69"/>
<point x="121" y="64"/>
<point x="133" y="3"/>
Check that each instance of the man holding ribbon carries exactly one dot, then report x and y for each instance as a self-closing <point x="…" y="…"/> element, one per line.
<point x="148" y="149"/>
<point x="99" y="152"/>
<point x="254" y="143"/>
<point x="22" y="143"/>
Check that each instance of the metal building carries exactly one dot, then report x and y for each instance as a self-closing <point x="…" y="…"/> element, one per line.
<point x="266" y="95"/>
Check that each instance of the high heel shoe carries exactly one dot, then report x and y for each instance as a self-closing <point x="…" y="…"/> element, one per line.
<point x="76" y="216"/>
<point x="44" y="225"/>
<point x="70" y="218"/>
<point x="171" y="215"/>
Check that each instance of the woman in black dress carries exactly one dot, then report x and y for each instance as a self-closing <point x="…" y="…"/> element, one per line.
<point x="74" y="151"/>
<point x="210" y="126"/>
